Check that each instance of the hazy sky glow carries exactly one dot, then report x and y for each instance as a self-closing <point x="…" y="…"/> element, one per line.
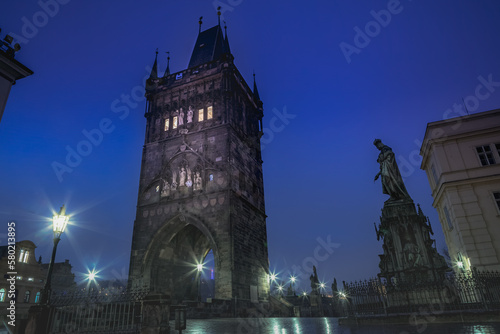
<point x="344" y="72"/>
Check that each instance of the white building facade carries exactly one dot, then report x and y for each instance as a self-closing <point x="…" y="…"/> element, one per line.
<point x="461" y="157"/>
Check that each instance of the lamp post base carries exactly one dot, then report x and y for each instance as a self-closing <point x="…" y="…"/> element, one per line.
<point x="38" y="320"/>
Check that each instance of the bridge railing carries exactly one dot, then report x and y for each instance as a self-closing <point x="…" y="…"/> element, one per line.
<point x="110" y="311"/>
<point x="474" y="291"/>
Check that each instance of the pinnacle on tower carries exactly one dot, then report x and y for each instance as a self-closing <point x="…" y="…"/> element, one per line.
<point x="167" y="70"/>
<point x="255" y="91"/>
<point x="154" y="71"/>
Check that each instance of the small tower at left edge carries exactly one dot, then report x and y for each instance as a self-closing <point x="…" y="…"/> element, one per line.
<point x="201" y="186"/>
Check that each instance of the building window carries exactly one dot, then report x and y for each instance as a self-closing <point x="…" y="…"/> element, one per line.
<point x="30" y="279"/>
<point x="210" y="113"/>
<point x="167" y="124"/>
<point x="37" y="297"/>
<point x="19" y="278"/>
<point x="496" y="195"/>
<point x="485" y="155"/>
<point x="200" y="115"/>
<point x="23" y="256"/>
<point x="434" y="174"/>
<point x="448" y="219"/>
<point x="174" y="123"/>
<point x="27" y="297"/>
<point x="2" y="295"/>
<point x="211" y="177"/>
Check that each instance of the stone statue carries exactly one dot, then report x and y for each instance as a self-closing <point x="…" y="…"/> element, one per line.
<point x="190" y="115"/>
<point x="392" y="182"/>
<point x="197" y="181"/>
<point x="174" y="180"/>
<point x="189" y="181"/>
<point x="165" y="191"/>
<point x="181" y="118"/>
<point x="314" y="280"/>
<point x="334" y="287"/>
<point x="182" y="177"/>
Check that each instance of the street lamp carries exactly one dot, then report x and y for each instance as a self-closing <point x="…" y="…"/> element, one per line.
<point x="198" y="275"/>
<point x="91" y="277"/>
<point x="59" y="223"/>
<point x="293" y="279"/>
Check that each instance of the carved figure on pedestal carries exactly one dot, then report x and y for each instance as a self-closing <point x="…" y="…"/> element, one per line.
<point x="189" y="181"/>
<point x="181" y="117"/>
<point x="392" y="182"/>
<point x="182" y="177"/>
<point x="197" y="181"/>
<point x="165" y="190"/>
<point x="174" y="181"/>
<point x="412" y="252"/>
<point x="190" y="114"/>
<point x="314" y="280"/>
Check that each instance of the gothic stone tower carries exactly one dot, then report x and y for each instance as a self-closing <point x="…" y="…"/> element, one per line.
<point x="201" y="184"/>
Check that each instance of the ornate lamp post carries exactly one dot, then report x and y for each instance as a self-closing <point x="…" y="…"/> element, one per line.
<point x="59" y="223"/>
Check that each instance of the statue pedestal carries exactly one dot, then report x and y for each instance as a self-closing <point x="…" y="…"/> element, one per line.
<point x="409" y="254"/>
<point x="156" y="314"/>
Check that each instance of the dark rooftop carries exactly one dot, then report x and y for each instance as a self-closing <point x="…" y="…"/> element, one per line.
<point x="209" y="46"/>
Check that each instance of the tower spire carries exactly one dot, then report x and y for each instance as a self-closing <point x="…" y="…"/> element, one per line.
<point x="167" y="71"/>
<point x="154" y="71"/>
<point x="200" y="22"/>
<point x="226" y="39"/>
<point x="218" y="14"/>
<point x="255" y="91"/>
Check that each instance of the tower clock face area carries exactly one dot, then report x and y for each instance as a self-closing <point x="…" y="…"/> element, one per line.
<point x="201" y="184"/>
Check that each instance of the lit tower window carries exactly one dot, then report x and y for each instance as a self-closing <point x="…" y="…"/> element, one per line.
<point x="200" y="115"/>
<point x="167" y="124"/>
<point x="174" y="123"/>
<point x="210" y="114"/>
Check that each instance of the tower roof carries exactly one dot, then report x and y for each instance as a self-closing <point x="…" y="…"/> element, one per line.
<point x="255" y="91"/>
<point x="210" y="45"/>
<point x="154" y="70"/>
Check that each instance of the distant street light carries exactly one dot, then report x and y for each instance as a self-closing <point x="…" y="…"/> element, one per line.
<point x="91" y="277"/>
<point x="280" y="289"/>
<point x="59" y="223"/>
<point x="293" y="279"/>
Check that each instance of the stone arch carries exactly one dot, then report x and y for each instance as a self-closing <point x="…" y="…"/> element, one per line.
<point x="170" y="260"/>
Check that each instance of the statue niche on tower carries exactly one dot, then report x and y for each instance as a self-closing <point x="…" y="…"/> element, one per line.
<point x="392" y="182"/>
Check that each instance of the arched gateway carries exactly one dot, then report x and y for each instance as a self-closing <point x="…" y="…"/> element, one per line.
<point x="201" y="184"/>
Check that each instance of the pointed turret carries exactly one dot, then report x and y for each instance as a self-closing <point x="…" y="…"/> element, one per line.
<point x="227" y="49"/>
<point x="167" y="71"/>
<point x="154" y="71"/>
<point x="255" y="91"/>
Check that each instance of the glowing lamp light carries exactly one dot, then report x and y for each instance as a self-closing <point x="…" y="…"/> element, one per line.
<point x="322" y="285"/>
<point x="199" y="267"/>
<point x="59" y="222"/>
<point x="292" y="279"/>
<point x="273" y="277"/>
<point x="460" y="264"/>
<point x="304" y="293"/>
<point x="92" y="275"/>
<point x="280" y="288"/>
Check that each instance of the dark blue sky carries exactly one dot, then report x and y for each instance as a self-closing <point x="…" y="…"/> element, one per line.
<point x="318" y="167"/>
